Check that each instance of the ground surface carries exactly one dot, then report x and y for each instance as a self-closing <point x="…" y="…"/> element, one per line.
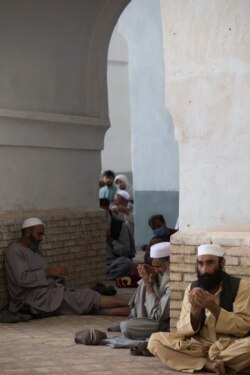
<point x="46" y="346"/>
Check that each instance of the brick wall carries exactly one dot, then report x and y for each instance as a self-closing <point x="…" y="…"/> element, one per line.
<point x="74" y="238"/>
<point x="183" y="261"/>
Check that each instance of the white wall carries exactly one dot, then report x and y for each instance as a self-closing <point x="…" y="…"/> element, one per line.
<point x="117" y="143"/>
<point x="207" y="53"/>
<point x="154" y="149"/>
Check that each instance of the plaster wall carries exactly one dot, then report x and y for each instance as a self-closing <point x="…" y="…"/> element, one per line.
<point x="206" y="48"/>
<point x="154" y="149"/>
<point x="53" y="101"/>
<point x="116" y="154"/>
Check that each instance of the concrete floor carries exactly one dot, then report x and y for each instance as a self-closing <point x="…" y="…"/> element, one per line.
<point x="46" y="346"/>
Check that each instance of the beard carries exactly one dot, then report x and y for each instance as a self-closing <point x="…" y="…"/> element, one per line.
<point x="209" y="281"/>
<point x="34" y="244"/>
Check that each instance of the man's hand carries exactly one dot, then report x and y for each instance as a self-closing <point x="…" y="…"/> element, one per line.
<point x="148" y="275"/>
<point x="58" y="271"/>
<point x="199" y="299"/>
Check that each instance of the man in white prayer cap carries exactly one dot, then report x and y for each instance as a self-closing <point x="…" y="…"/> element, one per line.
<point x="38" y="289"/>
<point x="122" y="183"/>
<point x="150" y="303"/>
<point x="214" y="325"/>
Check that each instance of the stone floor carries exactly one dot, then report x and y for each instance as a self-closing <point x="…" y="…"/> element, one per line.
<point x="46" y="346"/>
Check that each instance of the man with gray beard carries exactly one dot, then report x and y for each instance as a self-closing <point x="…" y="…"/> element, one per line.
<point x="38" y="289"/>
<point x="150" y="303"/>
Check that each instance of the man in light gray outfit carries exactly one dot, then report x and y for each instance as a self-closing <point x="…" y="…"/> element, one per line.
<point x="31" y="283"/>
<point x="150" y="303"/>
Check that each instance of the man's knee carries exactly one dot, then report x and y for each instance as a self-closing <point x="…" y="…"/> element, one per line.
<point x="124" y="327"/>
<point x="153" y="343"/>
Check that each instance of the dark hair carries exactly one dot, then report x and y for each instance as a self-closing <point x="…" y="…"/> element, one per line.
<point x="153" y="218"/>
<point x="109" y="173"/>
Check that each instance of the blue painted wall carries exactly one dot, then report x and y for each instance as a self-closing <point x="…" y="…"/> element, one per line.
<point x="155" y="159"/>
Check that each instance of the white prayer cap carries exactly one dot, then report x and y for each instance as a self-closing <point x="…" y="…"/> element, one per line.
<point x="210" y="249"/>
<point x="124" y="194"/>
<point x="121" y="177"/>
<point x="31" y="222"/>
<point x="160" y="250"/>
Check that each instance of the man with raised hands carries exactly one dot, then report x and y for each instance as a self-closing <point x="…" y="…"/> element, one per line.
<point x="214" y="324"/>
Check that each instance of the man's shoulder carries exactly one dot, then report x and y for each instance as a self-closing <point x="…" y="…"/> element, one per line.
<point x="13" y="248"/>
<point x="103" y="189"/>
<point x="244" y="284"/>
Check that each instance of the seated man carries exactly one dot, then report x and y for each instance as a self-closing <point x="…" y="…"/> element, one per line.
<point x="149" y="307"/>
<point x="120" y="245"/>
<point x="150" y="303"/>
<point x="213" y="329"/>
<point x="31" y="283"/>
<point x="161" y="233"/>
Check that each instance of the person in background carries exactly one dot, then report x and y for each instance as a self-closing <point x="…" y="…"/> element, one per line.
<point x="120" y="245"/>
<point x="150" y="303"/>
<point x="161" y="233"/>
<point x="149" y="307"/>
<point x="213" y="331"/>
<point x="122" y="183"/>
<point x="109" y="189"/>
<point x="124" y="209"/>
<point x="39" y="288"/>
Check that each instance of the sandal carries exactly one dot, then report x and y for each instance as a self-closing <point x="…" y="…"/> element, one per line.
<point x="141" y="349"/>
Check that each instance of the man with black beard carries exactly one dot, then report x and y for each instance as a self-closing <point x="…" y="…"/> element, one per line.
<point x="38" y="289"/>
<point x="214" y="324"/>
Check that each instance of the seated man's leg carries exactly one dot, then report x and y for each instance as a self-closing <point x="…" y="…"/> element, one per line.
<point x="236" y="356"/>
<point x="85" y="301"/>
<point x="139" y="328"/>
<point x="177" y="352"/>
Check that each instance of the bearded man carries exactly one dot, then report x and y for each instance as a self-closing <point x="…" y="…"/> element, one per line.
<point x="150" y="303"/>
<point x="39" y="290"/>
<point x="214" y="324"/>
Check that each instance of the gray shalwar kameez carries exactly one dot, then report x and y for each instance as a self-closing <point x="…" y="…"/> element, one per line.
<point x="27" y="283"/>
<point x="149" y="311"/>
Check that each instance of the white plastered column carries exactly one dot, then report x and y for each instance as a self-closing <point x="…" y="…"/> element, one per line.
<point x="206" y="46"/>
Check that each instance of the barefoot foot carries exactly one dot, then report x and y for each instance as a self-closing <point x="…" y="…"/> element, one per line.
<point x="216" y="366"/>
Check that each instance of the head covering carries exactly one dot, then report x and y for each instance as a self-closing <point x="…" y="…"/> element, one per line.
<point x="210" y="249"/>
<point x="123" y="178"/>
<point x="160" y="250"/>
<point x="124" y="194"/>
<point x="31" y="222"/>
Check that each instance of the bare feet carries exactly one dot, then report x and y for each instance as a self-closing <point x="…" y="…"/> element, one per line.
<point x="216" y="366"/>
